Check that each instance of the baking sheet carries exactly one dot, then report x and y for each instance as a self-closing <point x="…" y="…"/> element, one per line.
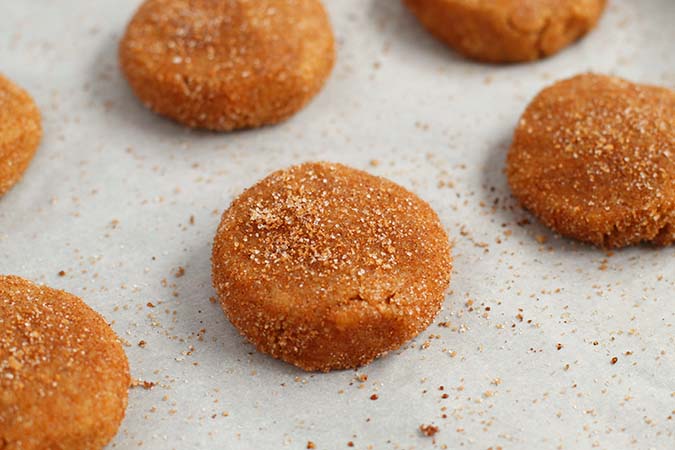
<point x="110" y="196"/>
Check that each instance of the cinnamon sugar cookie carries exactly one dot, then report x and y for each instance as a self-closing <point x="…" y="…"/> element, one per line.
<point x="20" y="132"/>
<point x="503" y="31"/>
<point x="224" y="65"/>
<point x="63" y="374"/>
<point x="328" y="267"/>
<point x="594" y="158"/>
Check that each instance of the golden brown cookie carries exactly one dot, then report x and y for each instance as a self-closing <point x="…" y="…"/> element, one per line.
<point x="224" y="65"/>
<point x="63" y="374"/>
<point x="594" y="158"/>
<point x="328" y="267"/>
<point x="503" y="31"/>
<point x="20" y="132"/>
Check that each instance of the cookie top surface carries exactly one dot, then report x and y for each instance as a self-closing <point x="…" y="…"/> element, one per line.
<point x="594" y="153"/>
<point x="323" y="232"/>
<point x="253" y="62"/>
<point x="20" y="132"/>
<point x="18" y="114"/>
<point x="223" y="40"/>
<point x="523" y="15"/>
<point x="508" y="30"/>
<point x="63" y="374"/>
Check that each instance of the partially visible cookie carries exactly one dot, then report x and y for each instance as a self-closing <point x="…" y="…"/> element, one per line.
<point x="328" y="267"/>
<point x="20" y="132"/>
<point x="594" y="158"/>
<point x="503" y="31"/>
<point x="224" y="65"/>
<point x="63" y="374"/>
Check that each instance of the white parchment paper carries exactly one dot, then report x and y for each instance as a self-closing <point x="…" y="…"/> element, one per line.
<point x="110" y="196"/>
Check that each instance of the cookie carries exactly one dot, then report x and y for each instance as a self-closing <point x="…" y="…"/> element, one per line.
<point x="594" y="158"/>
<point x="20" y="132"/>
<point x="506" y="31"/>
<point x="63" y="374"/>
<point x="327" y="267"/>
<point x="225" y="65"/>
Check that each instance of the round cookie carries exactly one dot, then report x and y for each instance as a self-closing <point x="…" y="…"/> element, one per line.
<point x="327" y="267"/>
<point x="63" y="374"/>
<point x="20" y="132"/>
<point x="224" y="65"/>
<point x="594" y="158"/>
<point x="502" y="31"/>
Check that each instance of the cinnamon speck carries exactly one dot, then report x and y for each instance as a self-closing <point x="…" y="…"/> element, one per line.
<point x="429" y="430"/>
<point x="147" y="385"/>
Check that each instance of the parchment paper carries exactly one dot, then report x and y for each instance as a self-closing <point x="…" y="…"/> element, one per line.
<point x="110" y="196"/>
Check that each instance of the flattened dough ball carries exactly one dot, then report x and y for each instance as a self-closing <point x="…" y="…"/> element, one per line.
<point x="63" y="374"/>
<point x="502" y="31"/>
<point x="594" y="158"/>
<point x="227" y="64"/>
<point x="327" y="267"/>
<point x="20" y="132"/>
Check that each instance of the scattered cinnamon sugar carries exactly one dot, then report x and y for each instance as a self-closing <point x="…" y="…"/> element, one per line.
<point x="429" y="430"/>
<point x="147" y="385"/>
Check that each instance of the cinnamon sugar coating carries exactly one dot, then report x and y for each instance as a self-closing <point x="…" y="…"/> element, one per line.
<point x="63" y="374"/>
<point x="229" y="64"/>
<point x="20" y="132"/>
<point x="328" y="267"/>
<point x="594" y="158"/>
<point x="502" y="31"/>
